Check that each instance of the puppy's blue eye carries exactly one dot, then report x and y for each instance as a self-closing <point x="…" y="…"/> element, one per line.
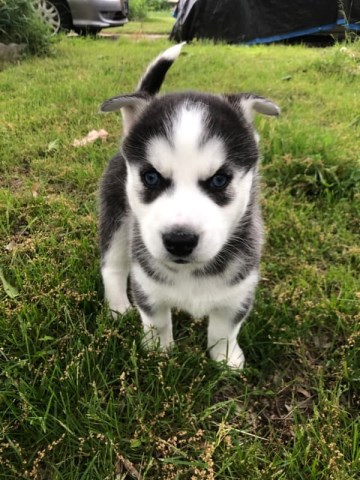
<point x="152" y="179"/>
<point x="219" y="180"/>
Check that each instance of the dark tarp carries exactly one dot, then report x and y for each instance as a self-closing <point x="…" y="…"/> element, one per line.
<point x="258" y="21"/>
<point x="351" y="11"/>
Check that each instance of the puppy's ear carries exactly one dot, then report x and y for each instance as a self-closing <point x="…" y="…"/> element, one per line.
<point x="131" y="107"/>
<point x="249" y="103"/>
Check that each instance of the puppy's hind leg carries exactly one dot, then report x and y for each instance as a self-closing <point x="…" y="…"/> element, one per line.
<point x="115" y="269"/>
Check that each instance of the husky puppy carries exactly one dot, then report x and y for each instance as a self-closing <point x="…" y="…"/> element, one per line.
<point x="179" y="210"/>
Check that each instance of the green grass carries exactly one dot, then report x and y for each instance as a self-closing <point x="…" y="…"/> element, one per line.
<point x="79" y="398"/>
<point x="157" y="23"/>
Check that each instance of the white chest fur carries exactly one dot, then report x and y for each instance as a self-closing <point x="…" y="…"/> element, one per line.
<point x="196" y="295"/>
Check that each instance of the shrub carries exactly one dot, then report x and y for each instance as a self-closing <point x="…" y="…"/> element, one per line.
<point x="19" y="23"/>
<point x="158" y="5"/>
<point x="138" y="10"/>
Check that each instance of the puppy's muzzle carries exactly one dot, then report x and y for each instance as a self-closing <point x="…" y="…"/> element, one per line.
<point x="180" y="243"/>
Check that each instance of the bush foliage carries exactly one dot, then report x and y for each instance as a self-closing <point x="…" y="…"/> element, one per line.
<point x="19" y="23"/>
<point x="157" y="5"/>
<point x="139" y="9"/>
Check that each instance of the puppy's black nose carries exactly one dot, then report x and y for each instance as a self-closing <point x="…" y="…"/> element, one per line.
<point x="180" y="243"/>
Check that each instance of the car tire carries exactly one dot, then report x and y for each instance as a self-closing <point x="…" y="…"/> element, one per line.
<point x="87" y="31"/>
<point x="56" y="13"/>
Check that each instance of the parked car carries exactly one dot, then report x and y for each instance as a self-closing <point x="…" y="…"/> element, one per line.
<point x="82" y="16"/>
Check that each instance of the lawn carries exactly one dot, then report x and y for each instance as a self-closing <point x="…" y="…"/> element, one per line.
<point x="79" y="397"/>
<point x="157" y="23"/>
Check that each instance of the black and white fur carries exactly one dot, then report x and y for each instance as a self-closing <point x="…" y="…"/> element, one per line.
<point x="179" y="210"/>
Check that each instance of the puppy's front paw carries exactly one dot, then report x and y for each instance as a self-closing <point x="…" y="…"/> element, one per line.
<point x="154" y="339"/>
<point x="119" y="307"/>
<point x="234" y="357"/>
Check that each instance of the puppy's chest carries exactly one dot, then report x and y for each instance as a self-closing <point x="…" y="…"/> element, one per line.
<point x="196" y="295"/>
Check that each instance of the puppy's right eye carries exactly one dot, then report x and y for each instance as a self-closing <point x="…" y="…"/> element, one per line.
<point x="152" y="179"/>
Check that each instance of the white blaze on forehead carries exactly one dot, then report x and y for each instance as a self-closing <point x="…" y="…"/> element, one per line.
<point x="185" y="154"/>
<point x="188" y="128"/>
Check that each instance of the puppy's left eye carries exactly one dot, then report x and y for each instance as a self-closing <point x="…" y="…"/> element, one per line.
<point x="219" y="181"/>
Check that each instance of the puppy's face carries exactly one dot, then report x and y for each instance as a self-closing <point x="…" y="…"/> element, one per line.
<point x="191" y="161"/>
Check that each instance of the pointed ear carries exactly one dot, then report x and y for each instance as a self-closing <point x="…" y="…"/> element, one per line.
<point x="131" y="107"/>
<point x="250" y="103"/>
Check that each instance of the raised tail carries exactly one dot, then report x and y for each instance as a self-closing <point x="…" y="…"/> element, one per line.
<point x="131" y="105"/>
<point x="155" y="73"/>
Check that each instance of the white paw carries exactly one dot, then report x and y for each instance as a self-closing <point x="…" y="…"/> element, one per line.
<point x="153" y="340"/>
<point x="233" y="357"/>
<point x="119" y="307"/>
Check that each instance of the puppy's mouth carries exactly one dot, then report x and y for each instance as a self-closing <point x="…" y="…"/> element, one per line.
<point x="181" y="261"/>
<point x="173" y="260"/>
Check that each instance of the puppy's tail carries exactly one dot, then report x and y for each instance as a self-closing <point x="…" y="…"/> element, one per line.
<point x="133" y="105"/>
<point x="155" y="73"/>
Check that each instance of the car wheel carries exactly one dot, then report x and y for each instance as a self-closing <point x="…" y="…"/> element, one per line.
<point x="55" y="13"/>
